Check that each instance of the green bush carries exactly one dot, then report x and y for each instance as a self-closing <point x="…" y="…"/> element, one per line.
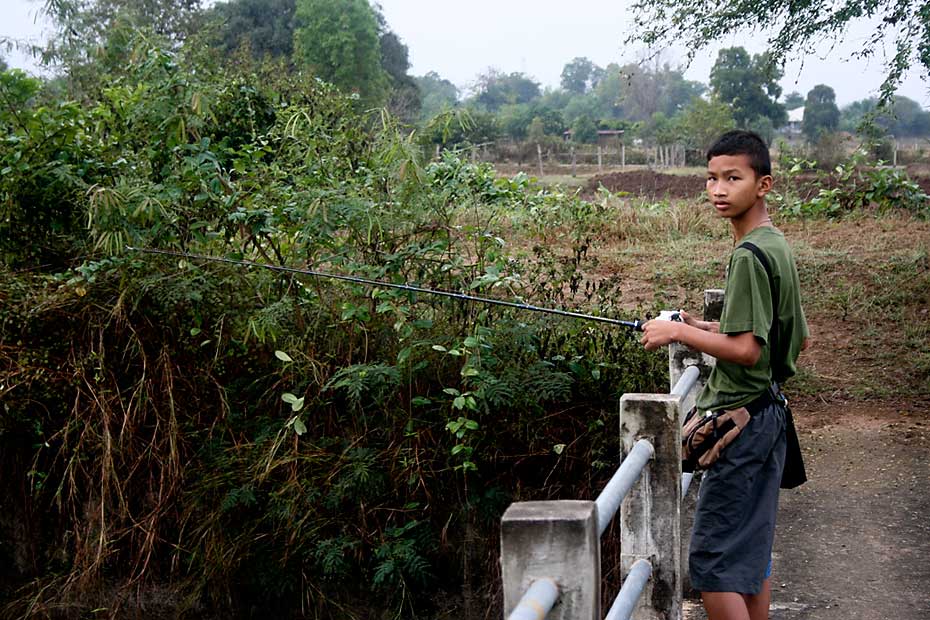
<point x="252" y="439"/>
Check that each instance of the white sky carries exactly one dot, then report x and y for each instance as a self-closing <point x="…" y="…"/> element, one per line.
<point x="460" y="40"/>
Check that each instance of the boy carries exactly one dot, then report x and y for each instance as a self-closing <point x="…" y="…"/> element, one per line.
<point x="734" y="524"/>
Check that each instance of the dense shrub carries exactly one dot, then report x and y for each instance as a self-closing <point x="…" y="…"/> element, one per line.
<point x="252" y="440"/>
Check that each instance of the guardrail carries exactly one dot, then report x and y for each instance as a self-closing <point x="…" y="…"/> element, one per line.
<point x="550" y="550"/>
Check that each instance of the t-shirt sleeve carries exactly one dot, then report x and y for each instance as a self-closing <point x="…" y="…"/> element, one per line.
<point x="748" y="300"/>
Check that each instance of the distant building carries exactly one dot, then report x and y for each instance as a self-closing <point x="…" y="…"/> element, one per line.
<point x="795" y="121"/>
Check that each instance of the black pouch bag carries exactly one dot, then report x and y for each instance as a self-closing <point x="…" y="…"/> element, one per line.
<point x="794" y="474"/>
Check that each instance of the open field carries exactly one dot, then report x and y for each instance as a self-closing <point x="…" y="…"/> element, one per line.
<point x="852" y="542"/>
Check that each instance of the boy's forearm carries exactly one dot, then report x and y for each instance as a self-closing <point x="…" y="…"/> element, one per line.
<point x="741" y="349"/>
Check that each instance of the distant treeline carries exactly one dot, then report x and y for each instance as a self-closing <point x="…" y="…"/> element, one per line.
<point x="350" y="44"/>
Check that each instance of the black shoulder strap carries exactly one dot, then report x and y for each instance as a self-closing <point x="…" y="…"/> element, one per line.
<point x="774" y="331"/>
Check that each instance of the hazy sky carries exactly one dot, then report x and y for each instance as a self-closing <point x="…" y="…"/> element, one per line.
<point x="460" y="39"/>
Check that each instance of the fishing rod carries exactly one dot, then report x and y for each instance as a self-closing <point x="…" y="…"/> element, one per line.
<point x="635" y="325"/>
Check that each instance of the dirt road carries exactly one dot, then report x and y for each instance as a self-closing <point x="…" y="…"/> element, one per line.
<point x="854" y="542"/>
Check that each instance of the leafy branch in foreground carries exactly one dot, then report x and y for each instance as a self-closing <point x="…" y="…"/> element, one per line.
<point x="793" y="28"/>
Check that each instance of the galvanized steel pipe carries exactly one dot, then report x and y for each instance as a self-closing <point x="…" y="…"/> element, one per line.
<point x="686" y="479"/>
<point x="622" y="481"/>
<point x="686" y="382"/>
<point x="632" y="589"/>
<point x="537" y="602"/>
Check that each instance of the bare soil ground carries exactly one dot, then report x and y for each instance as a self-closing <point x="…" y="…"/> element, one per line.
<point x="853" y="542"/>
<point x="658" y="185"/>
<point x="647" y="183"/>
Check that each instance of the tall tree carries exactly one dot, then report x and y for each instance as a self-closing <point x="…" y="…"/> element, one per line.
<point x="405" y="99"/>
<point x="338" y="40"/>
<point x="703" y="121"/>
<point x="437" y="94"/>
<point x="86" y="23"/>
<point x="609" y="92"/>
<point x="584" y="130"/>
<point x="749" y="84"/>
<point x="94" y="37"/>
<point x="495" y="89"/>
<point x="660" y="88"/>
<point x="794" y="100"/>
<point x="907" y="118"/>
<point x="797" y="27"/>
<point x="266" y="26"/>
<point x="904" y="117"/>
<point x="820" y="112"/>
<point x="580" y="75"/>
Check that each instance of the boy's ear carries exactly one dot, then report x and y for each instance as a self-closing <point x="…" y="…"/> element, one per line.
<point x="764" y="185"/>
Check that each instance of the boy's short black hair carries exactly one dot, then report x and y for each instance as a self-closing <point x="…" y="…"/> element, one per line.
<point x="742" y="142"/>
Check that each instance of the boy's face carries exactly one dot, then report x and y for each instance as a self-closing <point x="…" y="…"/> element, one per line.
<point x="732" y="185"/>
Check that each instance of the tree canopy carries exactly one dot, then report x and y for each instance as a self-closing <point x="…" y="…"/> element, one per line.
<point x="820" y="112"/>
<point x="794" y="100"/>
<point x="793" y="28"/>
<point x="749" y="84"/>
<point x="495" y="89"/>
<point x="703" y="121"/>
<point x="338" y="40"/>
<point x="437" y="94"/>
<point x="581" y="75"/>
<point x="656" y="89"/>
<point x="903" y="117"/>
<point x="267" y="26"/>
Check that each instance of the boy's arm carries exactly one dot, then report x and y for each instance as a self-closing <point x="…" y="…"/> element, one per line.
<point x="742" y="348"/>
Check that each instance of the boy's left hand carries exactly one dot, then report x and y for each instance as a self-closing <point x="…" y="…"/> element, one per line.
<point x="659" y="334"/>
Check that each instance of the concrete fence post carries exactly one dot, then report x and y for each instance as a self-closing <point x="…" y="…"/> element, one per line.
<point x="680" y="357"/>
<point x="558" y="540"/>
<point x="650" y="524"/>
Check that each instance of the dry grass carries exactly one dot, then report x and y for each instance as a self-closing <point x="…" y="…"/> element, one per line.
<point x="865" y="281"/>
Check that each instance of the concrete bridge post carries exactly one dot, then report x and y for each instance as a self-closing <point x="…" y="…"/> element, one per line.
<point x="557" y="540"/>
<point x="650" y="523"/>
<point x="679" y="358"/>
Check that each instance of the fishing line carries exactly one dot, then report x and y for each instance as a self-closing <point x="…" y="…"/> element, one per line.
<point x="636" y="325"/>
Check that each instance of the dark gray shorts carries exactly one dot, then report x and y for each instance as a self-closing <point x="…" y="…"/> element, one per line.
<point x="734" y="524"/>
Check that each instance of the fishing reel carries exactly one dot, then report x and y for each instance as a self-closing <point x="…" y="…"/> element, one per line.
<point x="669" y="315"/>
<point x="664" y="315"/>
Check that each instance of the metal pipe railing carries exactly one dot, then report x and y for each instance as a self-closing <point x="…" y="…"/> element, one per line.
<point x="687" y="381"/>
<point x="685" y="384"/>
<point x="622" y="481"/>
<point x="538" y="601"/>
<point x="632" y="589"/>
<point x="686" y="479"/>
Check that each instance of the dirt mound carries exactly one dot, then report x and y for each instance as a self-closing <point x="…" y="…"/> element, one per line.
<point x="648" y="183"/>
<point x="651" y="184"/>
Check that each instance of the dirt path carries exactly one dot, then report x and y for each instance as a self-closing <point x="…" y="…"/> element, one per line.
<point x="854" y="542"/>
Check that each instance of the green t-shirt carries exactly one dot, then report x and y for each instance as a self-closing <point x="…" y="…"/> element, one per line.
<point x="747" y="307"/>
